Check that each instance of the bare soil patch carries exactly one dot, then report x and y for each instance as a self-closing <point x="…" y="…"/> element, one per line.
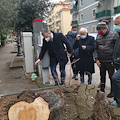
<point x="80" y="103"/>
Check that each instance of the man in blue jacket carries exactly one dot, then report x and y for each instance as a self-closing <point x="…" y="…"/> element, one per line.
<point x="85" y="43"/>
<point x="71" y="36"/>
<point x="116" y="62"/>
<point x="54" y="43"/>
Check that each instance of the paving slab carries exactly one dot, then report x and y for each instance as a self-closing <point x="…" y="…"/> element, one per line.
<point x="17" y="62"/>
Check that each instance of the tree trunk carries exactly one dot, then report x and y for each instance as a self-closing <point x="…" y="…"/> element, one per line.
<point x="37" y="110"/>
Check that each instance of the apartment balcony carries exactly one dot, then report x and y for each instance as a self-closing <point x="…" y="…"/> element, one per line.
<point x="73" y="10"/>
<point x="75" y="22"/>
<point x="104" y="14"/>
<point x="117" y="9"/>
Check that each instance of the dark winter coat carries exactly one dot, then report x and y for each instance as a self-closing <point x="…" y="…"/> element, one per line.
<point x="86" y="62"/>
<point x="56" y="49"/>
<point x="105" y="45"/>
<point x="116" y="54"/>
<point x="72" y="38"/>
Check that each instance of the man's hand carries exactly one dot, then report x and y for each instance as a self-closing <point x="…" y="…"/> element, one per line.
<point x="83" y="47"/>
<point x="98" y="63"/>
<point x="78" y="37"/>
<point x="37" y="61"/>
<point x="69" y="55"/>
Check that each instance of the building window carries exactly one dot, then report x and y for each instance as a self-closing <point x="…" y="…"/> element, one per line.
<point x="81" y="17"/>
<point x="52" y="18"/>
<point x="52" y="25"/>
<point x="93" y="12"/>
<point x="58" y="23"/>
<point x="81" y="2"/>
<point x="49" y="20"/>
<point x="93" y="29"/>
<point x="57" y="15"/>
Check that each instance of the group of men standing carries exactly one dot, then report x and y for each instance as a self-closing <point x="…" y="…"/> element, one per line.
<point x="80" y="48"/>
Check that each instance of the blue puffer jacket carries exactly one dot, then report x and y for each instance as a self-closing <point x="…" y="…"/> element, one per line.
<point x="72" y="38"/>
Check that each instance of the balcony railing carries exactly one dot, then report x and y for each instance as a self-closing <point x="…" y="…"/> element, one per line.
<point x="117" y="10"/>
<point x="104" y="13"/>
<point x="74" y="9"/>
<point x="75" y="22"/>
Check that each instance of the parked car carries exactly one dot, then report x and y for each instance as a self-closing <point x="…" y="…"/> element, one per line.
<point x="93" y="34"/>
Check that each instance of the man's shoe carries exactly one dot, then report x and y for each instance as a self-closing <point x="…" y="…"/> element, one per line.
<point x="102" y="87"/>
<point x="114" y="103"/>
<point x="110" y="95"/>
<point x="62" y="83"/>
<point x="102" y="90"/>
<point x="56" y="83"/>
<point x="76" y="77"/>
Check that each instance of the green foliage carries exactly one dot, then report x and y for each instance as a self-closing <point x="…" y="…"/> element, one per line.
<point x="3" y="42"/>
<point x="17" y="15"/>
<point x="7" y="9"/>
<point x="3" y="37"/>
<point x="28" y="10"/>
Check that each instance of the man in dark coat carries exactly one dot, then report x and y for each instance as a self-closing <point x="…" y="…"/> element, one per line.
<point x="103" y="54"/>
<point x="54" y="43"/>
<point x="71" y="36"/>
<point x="85" y="43"/>
<point x="116" y="63"/>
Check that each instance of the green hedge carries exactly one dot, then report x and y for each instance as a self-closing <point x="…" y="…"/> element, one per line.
<point x="3" y="42"/>
<point x="3" y="37"/>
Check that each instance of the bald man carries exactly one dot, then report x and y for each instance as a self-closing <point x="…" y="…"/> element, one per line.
<point x="85" y="43"/>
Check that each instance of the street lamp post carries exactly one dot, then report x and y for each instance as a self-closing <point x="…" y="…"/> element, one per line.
<point x="19" y="46"/>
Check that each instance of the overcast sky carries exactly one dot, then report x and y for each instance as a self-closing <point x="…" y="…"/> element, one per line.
<point x="56" y="1"/>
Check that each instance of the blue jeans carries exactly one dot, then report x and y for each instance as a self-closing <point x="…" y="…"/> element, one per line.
<point x="116" y="86"/>
<point x="55" y="74"/>
<point x="89" y="78"/>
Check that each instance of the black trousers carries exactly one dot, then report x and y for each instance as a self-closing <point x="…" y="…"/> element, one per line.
<point x="106" y="66"/>
<point x="74" y="65"/>
<point x="116" y="86"/>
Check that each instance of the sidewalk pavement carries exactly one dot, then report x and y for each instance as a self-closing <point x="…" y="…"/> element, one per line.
<point x="14" y="80"/>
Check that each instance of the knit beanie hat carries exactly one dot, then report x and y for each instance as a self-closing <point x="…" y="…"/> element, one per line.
<point x="101" y="25"/>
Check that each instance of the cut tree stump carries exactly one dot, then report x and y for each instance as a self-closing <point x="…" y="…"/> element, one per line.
<point x="37" y="110"/>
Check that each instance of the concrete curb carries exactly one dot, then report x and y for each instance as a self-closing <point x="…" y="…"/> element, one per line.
<point x="37" y="89"/>
<point x="14" y="67"/>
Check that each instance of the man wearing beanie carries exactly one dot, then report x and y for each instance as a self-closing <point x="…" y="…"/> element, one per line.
<point x="103" y="54"/>
<point x="107" y="23"/>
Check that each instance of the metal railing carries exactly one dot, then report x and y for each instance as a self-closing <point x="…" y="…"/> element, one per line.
<point x="103" y="14"/>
